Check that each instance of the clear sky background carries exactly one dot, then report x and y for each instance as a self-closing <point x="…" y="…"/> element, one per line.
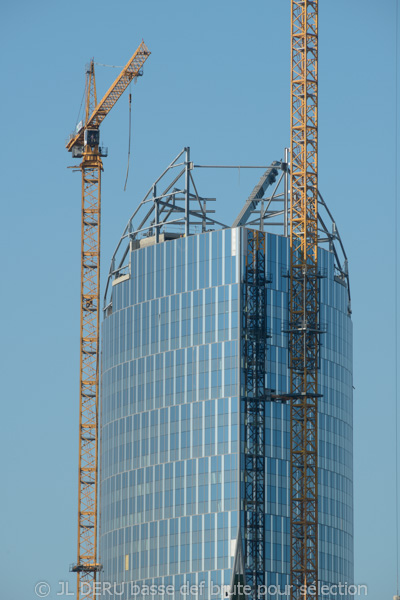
<point x="218" y="81"/>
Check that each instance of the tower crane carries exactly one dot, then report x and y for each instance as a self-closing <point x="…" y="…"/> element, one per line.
<point x="85" y="144"/>
<point x="304" y="327"/>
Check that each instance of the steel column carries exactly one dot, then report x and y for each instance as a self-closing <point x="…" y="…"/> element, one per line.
<point x="253" y="396"/>
<point x="304" y="301"/>
<point x="87" y="563"/>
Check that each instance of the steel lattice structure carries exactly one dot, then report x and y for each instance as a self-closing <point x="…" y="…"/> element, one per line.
<point x="87" y="563"/>
<point x="304" y="300"/>
<point x="95" y="117"/>
<point x="85" y="144"/>
<point x="91" y="166"/>
<point x="253" y="397"/>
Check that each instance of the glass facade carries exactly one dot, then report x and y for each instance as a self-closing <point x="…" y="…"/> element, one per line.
<point x="170" y="419"/>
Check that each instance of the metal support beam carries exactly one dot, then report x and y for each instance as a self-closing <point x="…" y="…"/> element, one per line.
<point x="286" y="195"/>
<point x="156" y="214"/>
<point x="304" y="302"/>
<point x="87" y="564"/>
<point x="187" y="192"/>
<point x="253" y="397"/>
<point x="267" y="179"/>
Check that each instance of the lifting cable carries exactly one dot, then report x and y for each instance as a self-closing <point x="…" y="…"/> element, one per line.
<point x="396" y="334"/>
<point x="80" y="108"/>
<point x="130" y="120"/>
<point x="129" y="141"/>
<point x="111" y="66"/>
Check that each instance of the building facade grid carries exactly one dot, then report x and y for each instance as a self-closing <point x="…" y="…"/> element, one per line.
<point x="170" y="468"/>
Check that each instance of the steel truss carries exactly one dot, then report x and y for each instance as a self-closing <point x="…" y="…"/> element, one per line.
<point x="304" y="302"/>
<point x="253" y="397"/>
<point x="87" y="565"/>
<point x="84" y="143"/>
<point x="177" y="210"/>
<point x="174" y="210"/>
<point x="273" y="213"/>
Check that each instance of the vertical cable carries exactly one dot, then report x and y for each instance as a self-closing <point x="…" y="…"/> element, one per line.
<point x="129" y="142"/>
<point x="396" y="299"/>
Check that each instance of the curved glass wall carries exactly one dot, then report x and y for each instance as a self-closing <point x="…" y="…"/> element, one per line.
<point x="170" y="466"/>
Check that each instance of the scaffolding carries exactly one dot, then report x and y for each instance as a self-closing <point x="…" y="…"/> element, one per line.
<point x="254" y="335"/>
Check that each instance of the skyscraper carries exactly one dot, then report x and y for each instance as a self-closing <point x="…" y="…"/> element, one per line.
<point x="194" y="424"/>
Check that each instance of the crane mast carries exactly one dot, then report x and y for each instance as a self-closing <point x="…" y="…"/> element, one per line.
<point x="85" y="144"/>
<point x="304" y="328"/>
<point x="91" y="166"/>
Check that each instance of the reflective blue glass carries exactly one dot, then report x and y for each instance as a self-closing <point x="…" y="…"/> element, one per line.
<point x="170" y="412"/>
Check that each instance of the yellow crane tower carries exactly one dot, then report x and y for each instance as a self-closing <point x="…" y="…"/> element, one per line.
<point x="85" y="144"/>
<point x="304" y="328"/>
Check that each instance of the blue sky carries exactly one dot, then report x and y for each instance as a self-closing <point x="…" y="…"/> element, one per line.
<point x="218" y="81"/>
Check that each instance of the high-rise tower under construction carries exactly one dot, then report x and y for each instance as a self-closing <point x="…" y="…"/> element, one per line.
<point x="195" y="450"/>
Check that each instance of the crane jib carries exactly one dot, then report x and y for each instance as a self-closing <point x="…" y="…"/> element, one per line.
<point x="131" y="70"/>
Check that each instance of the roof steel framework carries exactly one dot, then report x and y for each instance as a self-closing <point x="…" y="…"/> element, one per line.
<point x="169" y="206"/>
